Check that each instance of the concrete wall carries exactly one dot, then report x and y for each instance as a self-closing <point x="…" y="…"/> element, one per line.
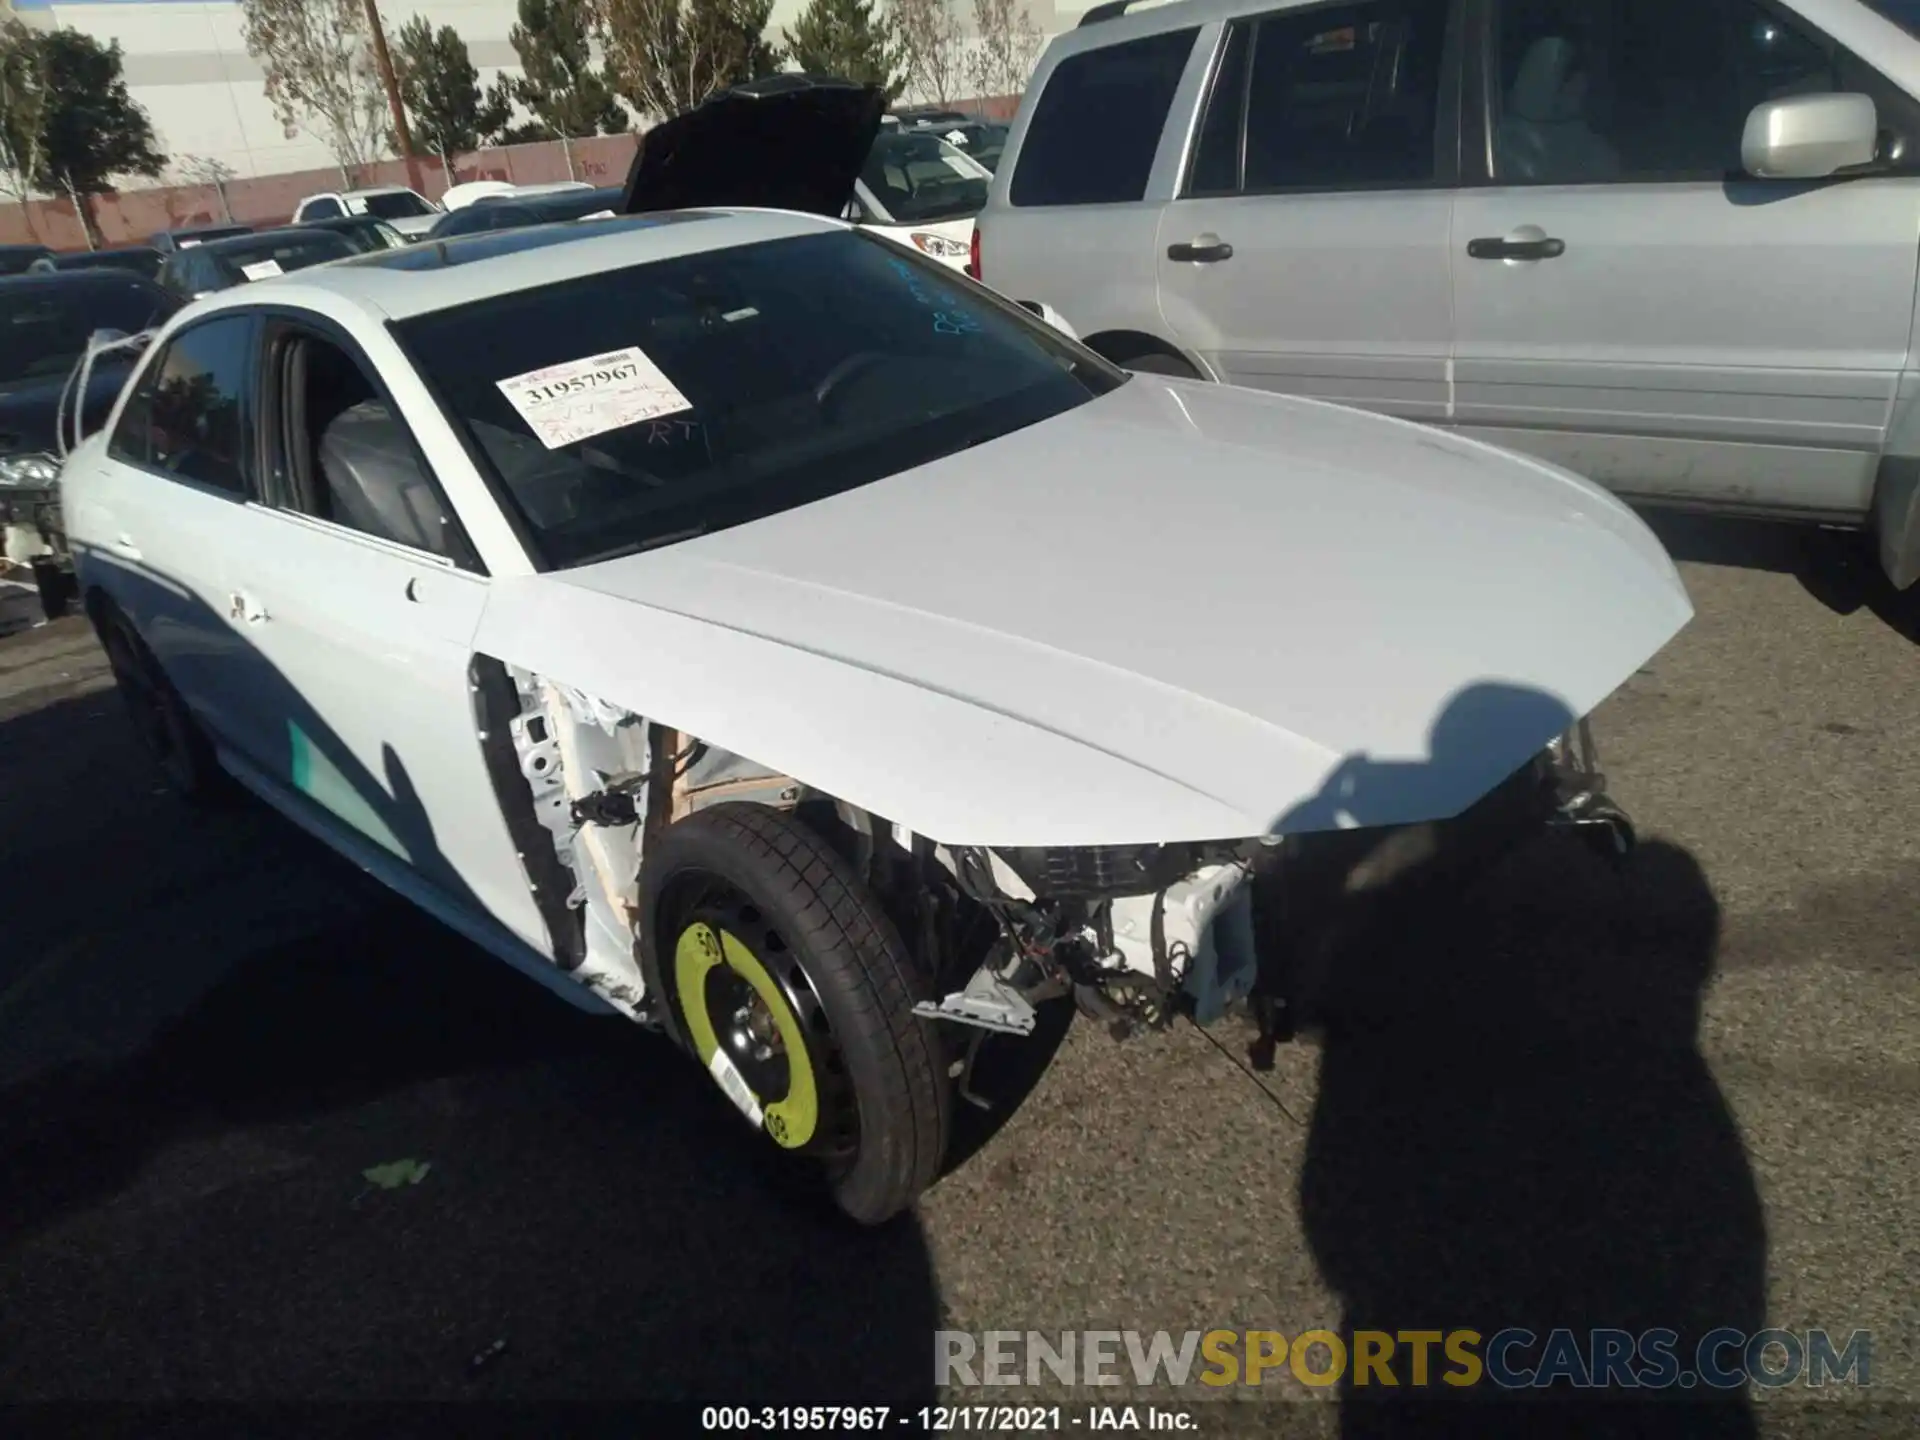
<point x="132" y="215"/>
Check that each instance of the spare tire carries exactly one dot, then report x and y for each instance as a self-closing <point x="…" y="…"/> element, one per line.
<point x="781" y="974"/>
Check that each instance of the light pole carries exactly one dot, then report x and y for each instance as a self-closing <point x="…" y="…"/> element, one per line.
<point x="402" y="136"/>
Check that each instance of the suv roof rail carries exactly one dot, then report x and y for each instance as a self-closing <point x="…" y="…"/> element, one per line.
<point x="1111" y="10"/>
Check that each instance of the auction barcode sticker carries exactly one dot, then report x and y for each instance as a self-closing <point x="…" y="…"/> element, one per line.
<point x="735" y="1084"/>
<point x="579" y="399"/>
<point x="261" y="270"/>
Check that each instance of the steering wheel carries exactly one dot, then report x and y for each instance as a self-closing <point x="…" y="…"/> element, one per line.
<point x="836" y="379"/>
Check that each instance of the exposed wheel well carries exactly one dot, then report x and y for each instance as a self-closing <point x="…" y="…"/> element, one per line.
<point x="1123" y="347"/>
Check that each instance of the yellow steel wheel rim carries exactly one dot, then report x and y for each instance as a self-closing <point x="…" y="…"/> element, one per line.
<point x="792" y="1120"/>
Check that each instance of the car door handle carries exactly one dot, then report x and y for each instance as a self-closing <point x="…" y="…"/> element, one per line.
<point x="1201" y="250"/>
<point x="123" y="546"/>
<point x="1492" y="247"/>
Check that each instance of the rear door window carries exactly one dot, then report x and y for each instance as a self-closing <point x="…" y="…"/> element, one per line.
<point x="1097" y="125"/>
<point x="1338" y="97"/>
<point x="189" y="414"/>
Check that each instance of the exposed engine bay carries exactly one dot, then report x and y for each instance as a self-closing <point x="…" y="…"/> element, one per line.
<point x="1138" y="936"/>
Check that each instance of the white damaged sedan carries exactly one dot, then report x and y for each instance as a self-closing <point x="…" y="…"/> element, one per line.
<point x="742" y="624"/>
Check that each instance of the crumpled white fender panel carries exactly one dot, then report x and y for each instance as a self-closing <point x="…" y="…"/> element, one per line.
<point x="1180" y="612"/>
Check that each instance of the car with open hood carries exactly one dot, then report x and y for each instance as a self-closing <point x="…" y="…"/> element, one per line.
<point x="46" y="324"/>
<point x="748" y="626"/>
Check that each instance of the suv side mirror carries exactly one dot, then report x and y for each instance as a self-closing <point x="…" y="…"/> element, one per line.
<point x="1809" y="137"/>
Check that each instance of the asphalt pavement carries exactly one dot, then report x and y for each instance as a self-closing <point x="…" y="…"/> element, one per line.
<point x="267" y="1136"/>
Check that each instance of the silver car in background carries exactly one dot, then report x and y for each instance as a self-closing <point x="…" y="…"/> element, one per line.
<point x="1671" y="245"/>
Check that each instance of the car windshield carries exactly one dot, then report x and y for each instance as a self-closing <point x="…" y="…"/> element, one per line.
<point x="44" y="328"/>
<point x="919" y="178"/>
<point x="282" y="253"/>
<point x="390" y="205"/>
<point x="676" y="398"/>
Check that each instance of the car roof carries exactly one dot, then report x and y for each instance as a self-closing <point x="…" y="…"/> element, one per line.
<point x="280" y="235"/>
<point x="440" y="274"/>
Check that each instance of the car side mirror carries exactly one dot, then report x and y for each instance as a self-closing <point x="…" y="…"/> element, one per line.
<point x="1809" y="137"/>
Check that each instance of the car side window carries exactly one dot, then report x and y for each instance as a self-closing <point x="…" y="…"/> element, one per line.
<point x="1097" y="124"/>
<point x="321" y="209"/>
<point x="189" y="414"/>
<point x="1590" y="91"/>
<point x="338" y="450"/>
<point x="1335" y="97"/>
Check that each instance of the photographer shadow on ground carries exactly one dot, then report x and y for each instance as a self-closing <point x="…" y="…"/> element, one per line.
<point x="1515" y="1127"/>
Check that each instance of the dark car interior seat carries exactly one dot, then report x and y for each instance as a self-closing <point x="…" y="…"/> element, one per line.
<point x="359" y="468"/>
<point x="373" y="482"/>
<point x="1544" y="135"/>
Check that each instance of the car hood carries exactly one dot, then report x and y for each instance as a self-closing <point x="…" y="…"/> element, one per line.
<point x="789" y="142"/>
<point x="28" y="410"/>
<point x="1179" y="612"/>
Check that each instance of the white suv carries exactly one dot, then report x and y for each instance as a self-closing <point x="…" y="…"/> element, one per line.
<point x="408" y="211"/>
<point x="1669" y="244"/>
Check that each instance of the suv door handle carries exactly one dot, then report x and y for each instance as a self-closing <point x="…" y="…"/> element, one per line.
<point x="1202" y="250"/>
<point x="1493" y="247"/>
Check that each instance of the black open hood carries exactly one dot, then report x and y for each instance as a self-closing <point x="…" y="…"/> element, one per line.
<point x="788" y="142"/>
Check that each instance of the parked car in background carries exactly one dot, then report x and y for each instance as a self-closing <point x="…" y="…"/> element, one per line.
<point x="141" y="260"/>
<point x="911" y="117"/>
<point x="167" y="242"/>
<point x="510" y="212"/>
<point x="458" y="197"/>
<point x="916" y="188"/>
<point x="363" y="232"/>
<point x="17" y="259"/>
<point x="45" y="323"/>
<point x="408" y="211"/>
<point x="552" y="187"/>
<point x="222" y="264"/>
<point x="1668" y="245"/>
<point x="982" y="140"/>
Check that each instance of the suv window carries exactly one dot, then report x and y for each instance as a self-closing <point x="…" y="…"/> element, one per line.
<point x="1599" y="90"/>
<point x="1094" y="132"/>
<point x="1339" y="97"/>
<point x="188" y="413"/>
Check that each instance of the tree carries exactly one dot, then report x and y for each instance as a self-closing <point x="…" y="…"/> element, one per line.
<point x="932" y="49"/>
<point x="206" y="170"/>
<point x="81" y="127"/>
<point x="441" y="91"/>
<point x="558" y="82"/>
<point x="23" y="106"/>
<point x="1009" y="44"/>
<point x="667" y="56"/>
<point x="320" y="73"/>
<point x="848" y="38"/>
